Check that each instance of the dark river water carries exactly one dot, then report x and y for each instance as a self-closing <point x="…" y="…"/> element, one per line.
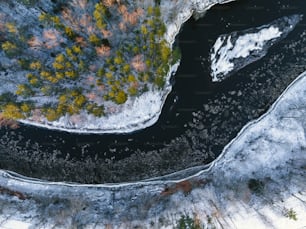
<point x="197" y="121"/>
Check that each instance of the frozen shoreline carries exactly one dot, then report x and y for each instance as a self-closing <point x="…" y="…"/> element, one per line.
<point x="145" y="110"/>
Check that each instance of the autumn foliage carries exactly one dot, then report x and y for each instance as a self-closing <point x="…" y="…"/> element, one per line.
<point x="85" y="55"/>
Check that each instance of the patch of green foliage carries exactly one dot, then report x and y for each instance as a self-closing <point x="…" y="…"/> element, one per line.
<point x="186" y="222"/>
<point x="291" y="214"/>
<point x="256" y="186"/>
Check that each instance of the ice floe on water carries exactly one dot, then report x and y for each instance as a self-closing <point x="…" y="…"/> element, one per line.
<point x="233" y="51"/>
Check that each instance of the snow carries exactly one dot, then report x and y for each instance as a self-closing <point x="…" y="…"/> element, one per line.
<point x="234" y="51"/>
<point x="184" y="10"/>
<point x="271" y="149"/>
<point x="243" y="48"/>
<point x="13" y="224"/>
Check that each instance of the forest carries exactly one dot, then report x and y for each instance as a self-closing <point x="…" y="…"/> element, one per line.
<point x="88" y="54"/>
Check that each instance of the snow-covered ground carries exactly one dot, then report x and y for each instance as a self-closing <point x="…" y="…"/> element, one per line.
<point x="233" y="51"/>
<point x="257" y="182"/>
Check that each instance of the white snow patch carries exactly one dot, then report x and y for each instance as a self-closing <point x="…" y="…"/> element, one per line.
<point x="243" y="47"/>
<point x="14" y="224"/>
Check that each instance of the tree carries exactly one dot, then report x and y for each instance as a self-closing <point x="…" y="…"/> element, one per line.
<point x="26" y="108"/>
<point x="79" y="101"/>
<point x="157" y="12"/>
<point x="148" y="63"/>
<point x="150" y="10"/>
<point x="9" y="48"/>
<point x="72" y="109"/>
<point x="56" y="21"/>
<point x="165" y="51"/>
<point x="60" y="58"/>
<point x="100" y="72"/>
<point x="176" y="55"/>
<point x="95" y="40"/>
<point x="34" y="81"/>
<point x="58" y="66"/>
<point x="43" y="17"/>
<point x="82" y="66"/>
<point x="24" y="90"/>
<point x="133" y="91"/>
<point x="118" y="60"/>
<point x="98" y="111"/>
<point x="161" y="29"/>
<point x="45" y="74"/>
<point x="109" y="75"/>
<point x="51" y="114"/>
<point x="144" y="30"/>
<point x="24" y="63"/>
<point x="76" y="49"/>
<point x="70" y="33"/>
<point x="59" y="75"/>
<point x="112" y="68"/>
<point x="12" y="111"/>
<point x="159" y="81"/>
<point x="63" y="99"/>
<point x="95" y="109"/>
<point x="150" y="22"/>
<point x="136" y="49"/>
<point x="99" y="14"/>
<point x="126" y="68"/>
<point x="46" y="90"/>
<point x="36" y="65"/>
<point x="121" y="97"/>
<point x="70" y="54"/>
<point x="145" y="77"/>
<point x="291" y="214"/>
<point x="131" y="78"/>
<point x="71" y="74"/>
<point x="68" y="65"/>
<point x="11" y="28"/>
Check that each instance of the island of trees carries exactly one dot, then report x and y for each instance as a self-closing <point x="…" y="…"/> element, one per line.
<point x="88" y="54"/>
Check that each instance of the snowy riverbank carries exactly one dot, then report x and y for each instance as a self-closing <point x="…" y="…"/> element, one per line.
<point x="143" y="111"/>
